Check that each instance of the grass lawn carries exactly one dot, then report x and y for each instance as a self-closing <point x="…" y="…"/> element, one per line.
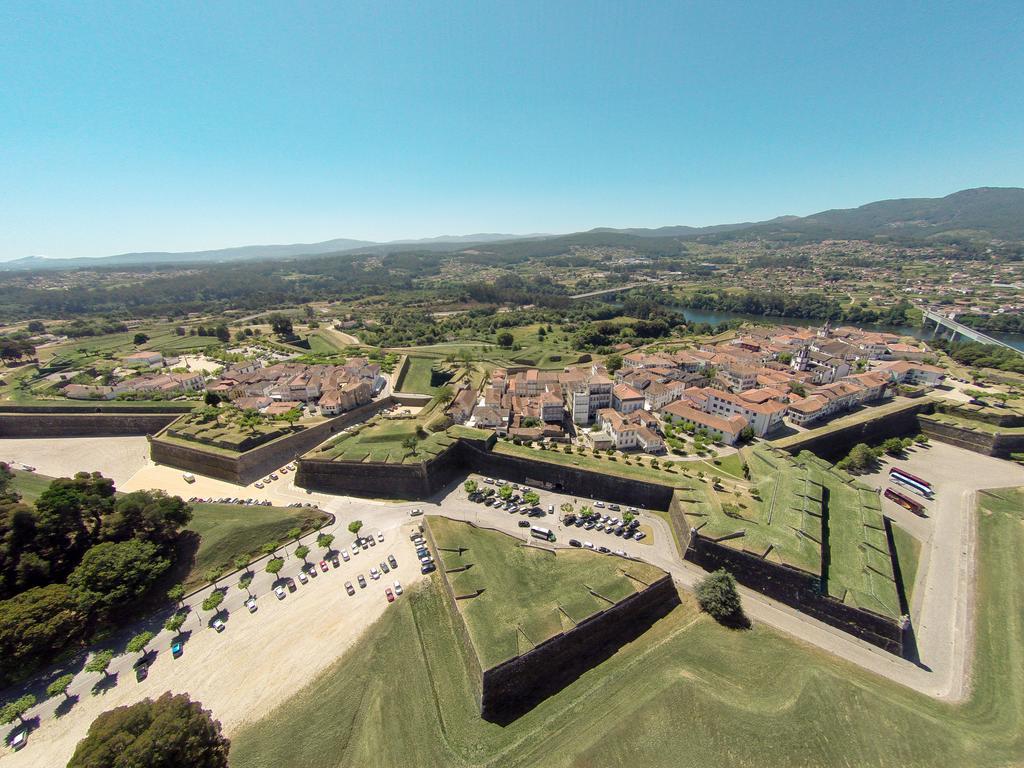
<point x="687" y="693"/>
<point x="908" y="552"/>
<point x="419" y="376"/>
<point x="381" y="440"/>
<point x="529" y="594"/>
<point x="29" y="485"/>
<point x="605" y="465"/>
<point x="229" y="530"/>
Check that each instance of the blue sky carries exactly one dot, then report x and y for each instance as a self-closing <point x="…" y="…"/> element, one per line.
<point x="172" y="126"/>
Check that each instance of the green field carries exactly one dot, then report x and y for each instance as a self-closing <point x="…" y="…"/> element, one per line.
<point x="784" y="523"/>
<point x="551" y="353"/>
<point x="30" y="485"/>
<point x="528" y="594"/>
<point x="419" y="376"/>
<point x="908" y="552"/>
<point x="687" y="693"/>
<point x="381" y="440"/>
<point x="229" y="530"/>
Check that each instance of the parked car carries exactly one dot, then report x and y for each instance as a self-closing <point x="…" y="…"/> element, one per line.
<point x="384" y="567"/>
<point x="380" y="537"/>
<point x="599" y="504"/>
<point x="639" y="535"/>
<point x="391" y="559"/>
<point x="344" y="555"/>
<point x="374" y="574"/>
<point x="524" y="523"/>
<point x="349" y="588"/>
<point x="323" y="566"/>
<point x="291" y="585"/>
<point x="575" y="543"/>
<point x="19" y="740"/>
<point x="177" y="649"/>
<point x="336" y="562"/>
<point x="259" y="484"/>
<point x="588" y="545"/>
<point x="398" y="588"/>
<point x="373" y="541"/>
<point x="362" y="581"/>
<point x="142" y="670"/>
<point x="218" y="625"/>
<point x="427" y="568"/>
<point x="311" y="569"/>
<point x="303" y="579"/>
<point x="389" y="594"/>
<point x="605" y="550"/>
<point x="251" y="604"/>
<point x="279" y="591"/>
<point x="621" y="553"/>
<point x="416" y="512"/>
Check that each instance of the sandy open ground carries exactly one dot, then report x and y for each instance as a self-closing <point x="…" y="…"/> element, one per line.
<point x="116" y="457"/>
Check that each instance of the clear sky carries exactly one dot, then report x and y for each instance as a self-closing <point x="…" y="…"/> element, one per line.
<point x="183" y="126"/>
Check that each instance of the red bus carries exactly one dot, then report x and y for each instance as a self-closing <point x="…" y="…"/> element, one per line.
<point x="904" y="501"/>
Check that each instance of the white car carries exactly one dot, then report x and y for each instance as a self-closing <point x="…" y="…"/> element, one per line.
<point x="344" y="555"/>
<point x="416" y="512"/>
<point x="588" y="545"/>
<point x="251" y="604"/>
<point x="374" y="574"/>
<point x="303" y="578"/>
<point x="279" y="591"/>
<point x="380" y="537"/>
<point x="218" y="625"/>
<point x="398" y="588"/>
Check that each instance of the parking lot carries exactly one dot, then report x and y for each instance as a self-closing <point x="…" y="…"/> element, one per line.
<point x="258" y="660"/>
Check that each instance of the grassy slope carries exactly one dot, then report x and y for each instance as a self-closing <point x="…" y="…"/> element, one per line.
<point x="908" y="550"/>
<point x="524" y="587"/>
<point x="688" y="693"/>
<point x="229" y="530"/>
<point x="418" y="376"/>
<point x="29" y="485"/>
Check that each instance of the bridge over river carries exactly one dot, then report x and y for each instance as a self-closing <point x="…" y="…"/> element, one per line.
<point x="959" y="329"/>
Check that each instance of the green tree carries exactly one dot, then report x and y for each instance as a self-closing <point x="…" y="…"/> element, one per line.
<point x="147" y="515"/>
<point x="587" y="512"/>
<point x="274" y="566"/>
<point x="354" y="527"/>
<point x="36" y="626"/>
<point x="114" y="574"/>
<point x="174" y="622"/>
<point x="567" y="508"/>
<point x="171" y="732"/>
<point x="60" y="686"/>
<point x="445" y="394"/>
<point x="628" y="517"/>
<point x="291" y="416"/>
<point x="613" y="363"/>
<point x="921" y="439"/>
<point x="746" y="434"/>
<point x="505" y="339"/>
<point x="269" y="548"/>
<point x="531" y="497"/>
<point x="718" y="596"/>
<point x="893" y="446"/>
<point x="222" y="333"/>
<point x="245" y="582"/>
<point x="139" y="339"/>
<point x="240" y="562"/>
<point x="213" y="602"/>
<point x="212" y="399"/>
<point x="213" y="574"/>
<point x="861" y="458"/>
<point x="409" y="443"/>
<point x="294" y="533"/>
<point x="100" y="662"/>
<point x="15" y="710"/>
<point x="301" y="552"/>
<point x="324" y="541"/>
<point x="470" y="486"/>
<point x="281" y="325"/>
<point x="505" y="491"/>
<point x="177" y="593"/>
<point x="138" y="643"/>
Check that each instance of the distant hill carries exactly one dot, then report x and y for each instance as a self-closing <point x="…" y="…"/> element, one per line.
<point x="980" y="214"/>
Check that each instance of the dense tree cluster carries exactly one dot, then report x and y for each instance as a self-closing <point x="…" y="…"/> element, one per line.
<point x="170" y="732"/>
<point x="810" y="305"/>
<point x="982" y="355"/>
<point x="75" y="560"/>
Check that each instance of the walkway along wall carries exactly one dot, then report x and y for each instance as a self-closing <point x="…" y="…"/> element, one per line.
<point x="998" y="444"/>
<point x="834" y="444"/>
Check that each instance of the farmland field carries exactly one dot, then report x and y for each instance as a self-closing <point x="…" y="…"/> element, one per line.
<point x="687" y="693"/>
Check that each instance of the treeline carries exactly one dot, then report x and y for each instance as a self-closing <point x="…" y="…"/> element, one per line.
<point x="1006" y="322"/>
<point x="810" y="305"/>
<point x="76" y="561"/>
<point x="979" y="355"/>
